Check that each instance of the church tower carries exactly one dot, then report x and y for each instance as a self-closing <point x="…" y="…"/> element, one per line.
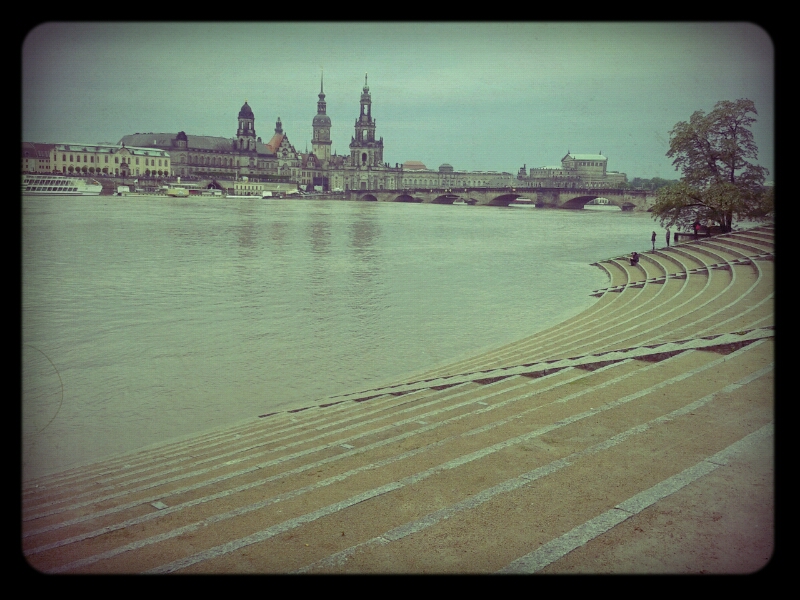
<point x="321" y="141"/>
<point x="246" y="134"/>
<point x="365" y="150"/>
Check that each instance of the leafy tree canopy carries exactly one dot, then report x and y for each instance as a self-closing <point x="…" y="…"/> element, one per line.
<point x="719" y="182"/>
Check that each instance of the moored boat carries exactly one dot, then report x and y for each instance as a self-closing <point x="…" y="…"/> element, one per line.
<point x="600" y="204"/>
<point x="60" y="185"/>
<point x="522" y="203"/>
<point x="178" y="192"/>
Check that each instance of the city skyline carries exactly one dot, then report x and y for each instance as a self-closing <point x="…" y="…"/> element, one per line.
<point x="477" y="96"/>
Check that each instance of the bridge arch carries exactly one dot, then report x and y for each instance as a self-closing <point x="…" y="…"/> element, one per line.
<point x="368" y="198"/>
<point x="579" y="202"/>
<point x="445" y="199"/>
<point x="504" y="199"/>
<point x="406" y="198"/>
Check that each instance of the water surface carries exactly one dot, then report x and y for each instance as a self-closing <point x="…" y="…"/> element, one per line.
<point x="148" y="318"/>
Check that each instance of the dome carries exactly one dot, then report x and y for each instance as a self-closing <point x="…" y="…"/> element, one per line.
<point x="246" y="112"/>
<point x="321" y="121"/>
<point x="181" y="137"/>
<point x="445" y="168"/>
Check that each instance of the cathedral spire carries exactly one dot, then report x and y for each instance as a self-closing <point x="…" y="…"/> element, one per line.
<point x="321" y="126"/>
<point x="366" y="150"/>
<point x="321" y="106"/>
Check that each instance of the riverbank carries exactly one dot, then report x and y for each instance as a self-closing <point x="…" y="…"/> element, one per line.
<point x="633" y="437"/>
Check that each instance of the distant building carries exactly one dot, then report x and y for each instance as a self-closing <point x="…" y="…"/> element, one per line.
<point x="363" y="169"/>
<point x="245" y="155"/>
<point x="226" y="158"/>
<point x="576" y="170"/>
<point x="94" y="159"/>
<point x="37" y="158"/>
<point x="417" y="175"/>
<point x="414" y="165"/>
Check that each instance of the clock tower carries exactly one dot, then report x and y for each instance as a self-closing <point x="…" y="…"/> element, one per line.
<point x="321" y="142"/>
<point x="365" y="150"/>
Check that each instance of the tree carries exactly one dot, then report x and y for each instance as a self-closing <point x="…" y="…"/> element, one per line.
<point x="713" y="151"/>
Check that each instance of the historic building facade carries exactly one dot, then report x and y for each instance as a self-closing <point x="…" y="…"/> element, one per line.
<point x="417" y="175"/>
<point x="363" y="169"/>
<point x="95" y="159"/>
<point x="226" y="158"/>
<point x="36" y="158"/>
<point x="576" y="170"/>
<point x="246" y="156"/>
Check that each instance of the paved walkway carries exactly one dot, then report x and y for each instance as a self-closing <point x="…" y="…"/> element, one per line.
<point x="636" y="437"/>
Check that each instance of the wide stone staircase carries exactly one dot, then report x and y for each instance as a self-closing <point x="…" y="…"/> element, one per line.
<point x="557" y="453"/>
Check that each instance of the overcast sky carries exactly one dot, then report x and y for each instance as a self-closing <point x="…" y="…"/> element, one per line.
<point x="478" y="96"/>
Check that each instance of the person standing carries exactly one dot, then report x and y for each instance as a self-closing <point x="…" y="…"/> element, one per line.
<point x="667" y="237"/>
<point x="653" y="239"/>
<point x="696" y="228"/>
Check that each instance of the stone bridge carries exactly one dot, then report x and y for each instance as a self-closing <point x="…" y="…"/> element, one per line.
<point x="571" y="198"/>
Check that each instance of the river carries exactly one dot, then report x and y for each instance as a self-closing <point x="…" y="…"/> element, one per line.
<point x="150" y="318"/>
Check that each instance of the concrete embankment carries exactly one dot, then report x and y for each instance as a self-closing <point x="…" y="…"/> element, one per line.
<point x="636" y="437"/>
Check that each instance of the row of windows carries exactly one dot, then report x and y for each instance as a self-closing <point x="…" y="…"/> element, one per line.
<point x="105" y="171"/>
<point x="71" y="159"/>
<point x="215" y="161"/>
<point x="453" y="183"/>
<point x="147" y="161"/>
<point x="210" y="160"/>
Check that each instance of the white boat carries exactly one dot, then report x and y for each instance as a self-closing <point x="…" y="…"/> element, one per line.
<point x="460" y="202"/>
<point x="178" y="192"/>
<point x="522" y="203"/>
<point x="600" y="204"/>
<point x="60" y="185"/>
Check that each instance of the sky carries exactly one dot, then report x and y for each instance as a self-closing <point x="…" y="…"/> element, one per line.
<point x="479" y="96"/>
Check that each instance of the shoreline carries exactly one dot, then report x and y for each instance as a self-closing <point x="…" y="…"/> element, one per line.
<point x="669" y="368"/>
